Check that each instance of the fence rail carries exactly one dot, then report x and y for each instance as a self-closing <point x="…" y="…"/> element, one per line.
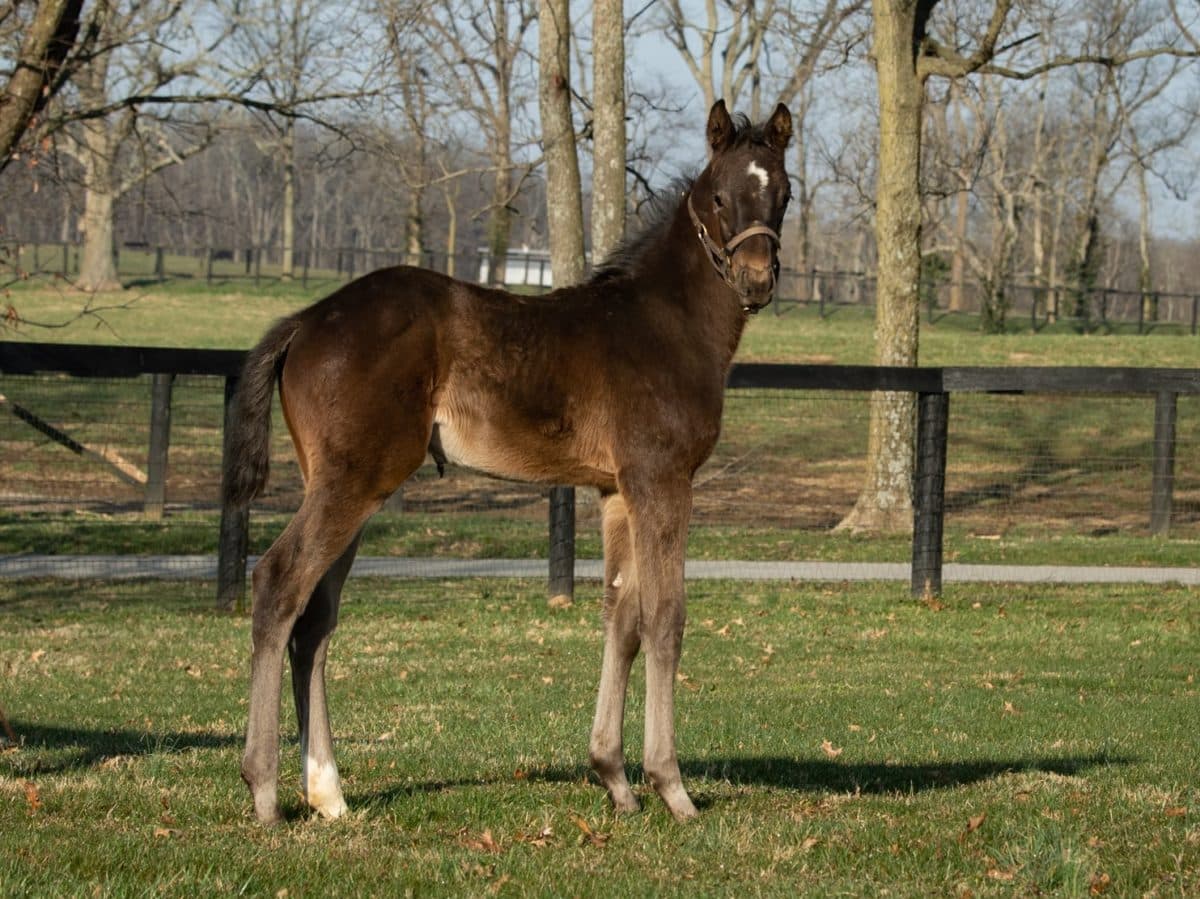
<point x="933" y="388"/>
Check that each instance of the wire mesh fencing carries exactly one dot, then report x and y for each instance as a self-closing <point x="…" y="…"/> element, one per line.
<point x="1036" y="479"/>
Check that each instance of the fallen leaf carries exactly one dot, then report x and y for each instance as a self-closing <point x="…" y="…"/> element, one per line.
<point x="997" y="874"/>
<point x="547" y="680"/>
<point x="589" y="835"/>
<point x="830" y="750"/>
<point x="1010" y="709"/>
<point x="498" y="884"/>
<point x="974" y="823"/>
<point x="1177" y="811"/>
<point x="164" y="832"/>
<point x="485" y="842"/>
<point x="809" y="843"/>
<point x="32" y="797"/>
<point x="539" y="839"/>
<point x="37" y="655"/>
<point x="560" y="602"/>
<point x="1099" y="884"/>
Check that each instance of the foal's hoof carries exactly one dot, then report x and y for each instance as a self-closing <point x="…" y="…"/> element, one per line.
<point x="625" y="803"/>
<point x="331" y="810"/>
<point x="679" y="804"/>
<point x="268" y="816"/>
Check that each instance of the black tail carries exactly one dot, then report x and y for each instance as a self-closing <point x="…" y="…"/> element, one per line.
<point x="248" y="428"/>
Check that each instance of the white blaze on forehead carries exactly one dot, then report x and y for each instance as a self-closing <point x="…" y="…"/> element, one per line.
<point x="754" y="170"/>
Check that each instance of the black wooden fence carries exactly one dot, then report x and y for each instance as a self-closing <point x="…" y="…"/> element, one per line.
<point x="933" y="388"/>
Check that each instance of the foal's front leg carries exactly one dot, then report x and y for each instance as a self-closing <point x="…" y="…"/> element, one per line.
<point x="659" y="514"/>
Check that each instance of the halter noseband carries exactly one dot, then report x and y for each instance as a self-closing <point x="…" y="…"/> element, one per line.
<point x="721" y="257"/>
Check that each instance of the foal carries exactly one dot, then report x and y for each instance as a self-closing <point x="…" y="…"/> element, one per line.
<point x="615" y="384"/>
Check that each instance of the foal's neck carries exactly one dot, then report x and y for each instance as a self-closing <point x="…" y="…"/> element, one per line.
<point x="713" y="306"/>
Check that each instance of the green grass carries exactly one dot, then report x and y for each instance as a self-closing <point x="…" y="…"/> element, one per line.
<point x="496" y="536"/>
<point x="839" y="741"/>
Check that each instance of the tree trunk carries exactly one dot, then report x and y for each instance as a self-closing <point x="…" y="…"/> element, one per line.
<point x="97" y="268"/>
<point x="414" y="225"/>
<point x="49" y="39"/>
<point x="1149" y="299"/>
<point x="885" y="503"/>
<point x="288" y="226"/>
<point x="608" y="175"/>
<point x="451" y="231"/>
<point x="564" y="206"/>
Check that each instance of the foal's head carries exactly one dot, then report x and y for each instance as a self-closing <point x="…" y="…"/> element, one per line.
<point x="737" y="204"/>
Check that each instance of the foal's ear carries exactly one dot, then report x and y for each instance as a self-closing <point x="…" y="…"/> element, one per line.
<point x="720" y="127"/>
<point x="779" y="128"/>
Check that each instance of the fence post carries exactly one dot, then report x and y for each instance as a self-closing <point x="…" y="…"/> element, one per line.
<point x="234" y="540"/>
<point x="1163" y="484"/>
<point x="929" y="494"/>
<point x="562" y="542"/>
<point x="66" y="269"/>
<point x="160" y="442"/>
<point x="159" y="267"/>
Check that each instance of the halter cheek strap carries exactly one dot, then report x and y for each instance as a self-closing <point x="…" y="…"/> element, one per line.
<point x="721" y="257"/>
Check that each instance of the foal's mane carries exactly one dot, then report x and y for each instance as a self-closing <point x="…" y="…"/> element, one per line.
<point x="658" y="213"/>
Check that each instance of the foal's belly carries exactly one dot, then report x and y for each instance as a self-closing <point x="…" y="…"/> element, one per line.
<point x="541" y="452"/>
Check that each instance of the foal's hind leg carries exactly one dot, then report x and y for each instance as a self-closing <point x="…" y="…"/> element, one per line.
<point x="284" y="580"/>
<point x="307" y="649"/>
<point x="621" y="640"/>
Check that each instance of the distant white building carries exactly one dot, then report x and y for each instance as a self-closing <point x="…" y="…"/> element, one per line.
<point x="523" y="266"/>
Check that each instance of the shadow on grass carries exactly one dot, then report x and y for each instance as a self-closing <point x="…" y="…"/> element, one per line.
<point x="877" y="777"/>
<point x="56" y="749"/>
<point x="801" y="774"/>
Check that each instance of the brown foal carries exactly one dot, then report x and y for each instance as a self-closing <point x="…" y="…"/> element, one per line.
<point x="615" y="384"/>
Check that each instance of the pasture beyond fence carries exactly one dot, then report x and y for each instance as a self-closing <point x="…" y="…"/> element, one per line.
<point x="97" y="435"/>
<point x="1032" y="307"/>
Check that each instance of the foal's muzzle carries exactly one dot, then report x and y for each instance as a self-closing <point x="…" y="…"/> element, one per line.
<point x="754" y="286"/>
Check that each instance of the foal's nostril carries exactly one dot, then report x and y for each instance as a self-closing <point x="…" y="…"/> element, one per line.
<point x="755" y="278"/>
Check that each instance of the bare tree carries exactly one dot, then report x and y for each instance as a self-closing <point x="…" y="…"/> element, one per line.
<point x="305" y="54"/>
<point x="724" y="53"/>
<point x="907" y="53"/>
<point x="42" y="39"/>
<point x="478" y="49"/>
<point x="117" y="119"/>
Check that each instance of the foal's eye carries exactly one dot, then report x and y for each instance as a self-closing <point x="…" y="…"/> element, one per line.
<point x="718" y="202"/>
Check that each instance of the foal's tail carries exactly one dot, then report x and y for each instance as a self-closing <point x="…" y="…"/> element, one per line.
<point x="248" y="430"/>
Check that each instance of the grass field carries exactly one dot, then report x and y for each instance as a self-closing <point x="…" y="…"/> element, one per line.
<point x="839" y="740"/>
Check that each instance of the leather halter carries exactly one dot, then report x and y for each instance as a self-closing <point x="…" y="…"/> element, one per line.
<point x="721" y="257"/>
